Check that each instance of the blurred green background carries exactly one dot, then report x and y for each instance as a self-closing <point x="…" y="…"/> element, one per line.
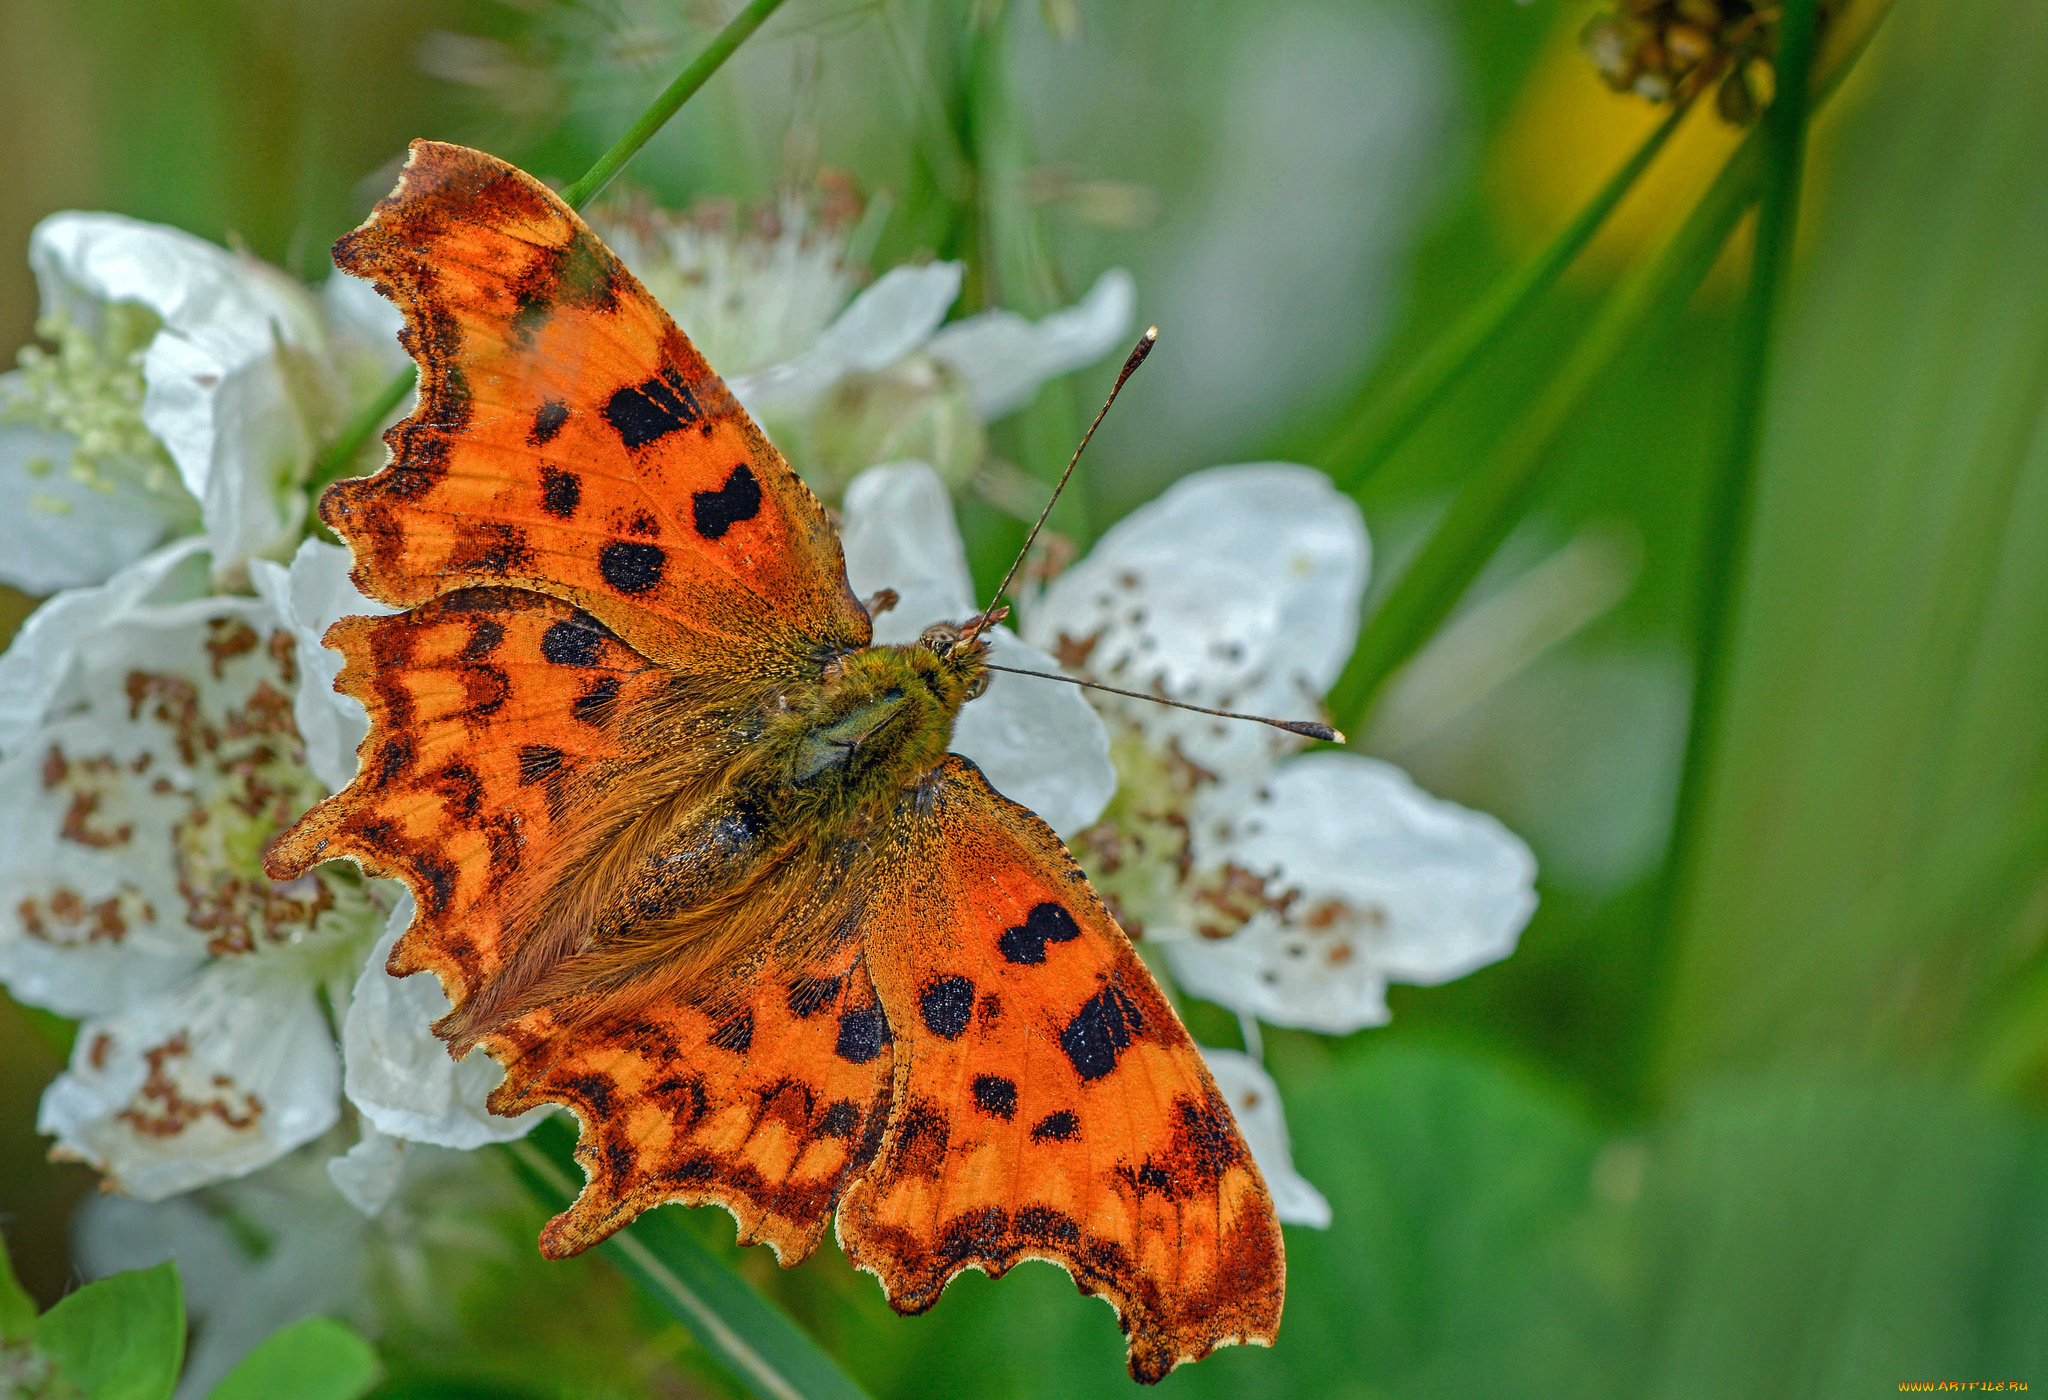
<point x="1787" y="1142"/>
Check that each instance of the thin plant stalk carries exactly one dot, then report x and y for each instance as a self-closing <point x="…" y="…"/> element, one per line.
<point x="1363" y="446"/>
<point x="333" y="463"/>
<point x="1731" y="503"/>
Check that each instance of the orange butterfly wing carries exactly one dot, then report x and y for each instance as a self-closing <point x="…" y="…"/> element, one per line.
<point x="495" y="715"/>
<point x="764" y="1107"/>
<point x="1049" y="1104"/>
<point x="570" y="440"/>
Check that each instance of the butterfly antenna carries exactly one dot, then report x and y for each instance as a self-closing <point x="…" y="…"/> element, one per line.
<point x="1131" y="363"/>
<point x="1306" y="728"/>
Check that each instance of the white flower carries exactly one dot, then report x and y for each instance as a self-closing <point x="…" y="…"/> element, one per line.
<point x="1255" y="1103"/>
<point x="189" y="387"/>
<point x="148" y="755"/>
<point x="1289" y="888"/>
<point x="400" y="1076"/>
<point x="841" y="384"/>
<point x="1039" y="742"/>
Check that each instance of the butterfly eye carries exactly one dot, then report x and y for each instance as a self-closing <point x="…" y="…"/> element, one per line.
<point x="939" y="637"/>
<point x="976" y="686"/>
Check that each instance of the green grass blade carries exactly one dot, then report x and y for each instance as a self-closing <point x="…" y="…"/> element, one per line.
<point x="1362" y="447"/>
<point x="334" y="463"/>
<point x="1488" y="506"/>
<point x="1731" y="505"/>
<point x="772" y="1356"/>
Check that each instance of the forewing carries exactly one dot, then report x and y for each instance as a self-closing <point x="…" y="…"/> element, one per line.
<point x="570" y="440"/>
<point x="1047" y="1102"/>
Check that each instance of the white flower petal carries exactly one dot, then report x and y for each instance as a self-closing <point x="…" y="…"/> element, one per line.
<point x="153" y="758"/>
<point x="1270" y="543"/>
<point x="358" y="313"/>
<point x="1368" y="880"/>
<point x="46" y="651"/>
<point x="400" y="1076"/>
<point x="883" y="324"/>
<point x="309" y="598"/>
<point x="898" y="532"/>
<point x="367" y="1175"/>
<point x="1255" y="1103"/>
<point x="217" y="394"/>
<point x="1038" y="742"/>
<point x="56" y="531"/>
<point x="206" y="1082"/>
<point x="1004" y="358"/>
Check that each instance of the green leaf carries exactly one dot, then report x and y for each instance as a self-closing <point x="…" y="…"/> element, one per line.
<point x="1871" y="844"/>
<point x="769" y="1354"/>
<point x="122" y="1338"/>
<point x="17" y="1309"/>
<point x="317" y="1359"/>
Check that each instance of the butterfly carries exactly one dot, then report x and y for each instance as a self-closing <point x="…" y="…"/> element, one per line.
<point x="689" y="854"/>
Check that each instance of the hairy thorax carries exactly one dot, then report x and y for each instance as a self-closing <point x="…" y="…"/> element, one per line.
<point x="731" y="839"/>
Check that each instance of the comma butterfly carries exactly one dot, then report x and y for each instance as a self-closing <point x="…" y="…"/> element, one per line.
<point x="690" y="855"/>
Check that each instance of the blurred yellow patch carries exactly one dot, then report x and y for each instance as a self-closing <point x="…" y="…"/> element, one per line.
<point x="1569" y="132"/>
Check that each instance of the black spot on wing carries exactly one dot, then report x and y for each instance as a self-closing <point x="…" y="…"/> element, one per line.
<point x="547" y="421"/>
<point x="946" y="1004"/>
<point x="736" y="1033"/>
<point x="862" y="1034"/>
<point x="1101" y="1031"/>
<point x="631" y="567"/>
<point x="484" y="640"/>
<point x="460" y="788"/>
<point x="810" y="995"/>
<point x="437" y="881"/>
<point x="648" y="411"/>
<point x="492" y="547"/>
<point x="560" y="492"/>
<point x="595" y="705"/>
<point x="840" y="1119"/>
<point x="1046" y="923"/>
<point x="739" y="499"/>
<point x="1056" y="1127"/>
<point x="995" y="1096"/>
<point x="537" y="761"/>
<point x="570" y="644"/>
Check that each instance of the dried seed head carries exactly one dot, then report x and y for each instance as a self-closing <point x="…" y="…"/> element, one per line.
<point x="1666" y="50"/>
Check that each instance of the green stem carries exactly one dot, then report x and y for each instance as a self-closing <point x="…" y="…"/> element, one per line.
<point x="773" y="1357"/>
<point x="1363" y="447"/>
<point x="333" y="463"/>
<point x="1731" y="506"/>
<point x="1488" y="506"/>
<point x="669" y="103"/>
